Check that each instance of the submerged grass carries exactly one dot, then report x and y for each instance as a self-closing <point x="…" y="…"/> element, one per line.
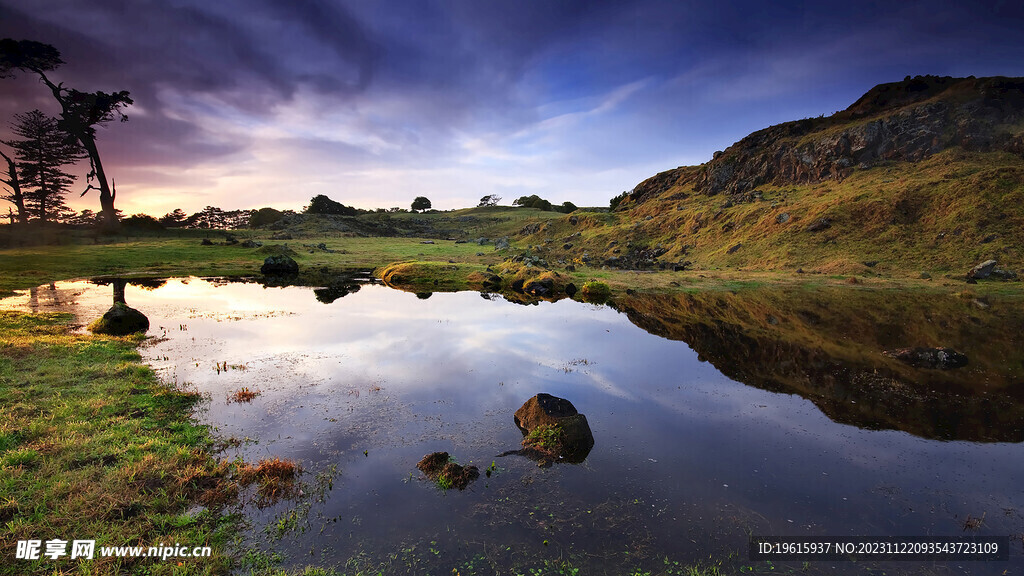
<point x="243" y="395"/>
<point x="275" y="479"/>
<point x="92" y="446"/>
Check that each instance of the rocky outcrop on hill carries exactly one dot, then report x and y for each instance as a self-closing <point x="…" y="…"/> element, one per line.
<point x="902" y="121"/>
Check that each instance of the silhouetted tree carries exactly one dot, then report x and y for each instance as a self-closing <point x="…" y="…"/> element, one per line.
<point x="175" y="219"/>
<point x="209" y="217"/>
<point x="235" y="219"/>
<point x="43" y="151"/>
<point x="84" y="218"/>
<point x="14" y="194"/>
<point x="64" y="215"/>
<point x="420" y="203"/>
<point x="142" y="222"/>
<point x="80" y="113"/>
<point x="489" y="200"/>
<point x="264" y="217"/>
<point x="321" y="204"/>
<point x="533" y="201"/>
<point x="214" y="217"/>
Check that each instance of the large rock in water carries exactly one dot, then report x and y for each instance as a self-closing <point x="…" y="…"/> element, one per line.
<point x="279" y="265"/>
<point x="120" y="320"/>
<point x="553" y="424"/>
<point x="982" y="271"/>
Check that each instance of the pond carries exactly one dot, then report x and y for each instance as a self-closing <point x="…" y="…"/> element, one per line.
<point x="716" y="417"/>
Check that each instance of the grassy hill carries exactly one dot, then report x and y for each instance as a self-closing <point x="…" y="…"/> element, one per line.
<point x="922" y="175"/>
<point x="464" y="224"/>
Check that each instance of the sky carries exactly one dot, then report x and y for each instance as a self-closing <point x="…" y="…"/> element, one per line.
<point x="252" y="103"/>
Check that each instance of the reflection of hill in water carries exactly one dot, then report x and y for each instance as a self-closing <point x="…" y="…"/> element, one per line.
<point x="826" y="345"/>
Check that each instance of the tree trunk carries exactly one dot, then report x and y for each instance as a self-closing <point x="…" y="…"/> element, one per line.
<point x="43" y="194"/>
<point x="16" y="197"/>
<point x="108" y="215"/>
<point x="119" y="290"/>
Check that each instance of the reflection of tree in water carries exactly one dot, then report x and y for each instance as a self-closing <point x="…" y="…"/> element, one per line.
<point x="48" y="297"/>
<point x="332" y="293"/>
<point x="120" y="319"/>
<point x="328" y="285"/>
<point x="827" y="346"/>
<point x="120" y="283"/>
<point x="149" y="283"/>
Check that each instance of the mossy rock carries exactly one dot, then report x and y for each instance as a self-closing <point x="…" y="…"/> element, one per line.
<point x="595" y="292"/>
<point x="120" y="320"/>
<point x="279" y="265"/>
<point x="440" y="468"/>
<point x="553" y="426"/>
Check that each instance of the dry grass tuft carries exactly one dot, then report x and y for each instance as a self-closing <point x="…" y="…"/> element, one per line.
<point x="276" y="479"/>
<point x="243" y="395"/>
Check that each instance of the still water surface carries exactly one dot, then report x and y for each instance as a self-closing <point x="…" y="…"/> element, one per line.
<point x="687" y="462"/>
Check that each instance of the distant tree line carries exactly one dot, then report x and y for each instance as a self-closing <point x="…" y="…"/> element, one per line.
<point x="209" y="217"/>
<point x="212" y="217"/>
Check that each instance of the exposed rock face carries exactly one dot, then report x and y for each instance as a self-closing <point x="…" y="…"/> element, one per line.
<point x="819" y="225"/>
<point x="279" y="265"/>
<point x="542" y="287"/>
<point x="982" y="271"/>
<point x="120" y="320"/>
<point x="902" y="121"/>
<point x="492" y="282"/>
<point x="637" y="257"/>
<point x="552" y="424"/>
<point x="937" y="358"/>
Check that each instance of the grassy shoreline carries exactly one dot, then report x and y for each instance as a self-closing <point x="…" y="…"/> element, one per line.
<point x="452" y="265"/>
<point x="94" y="446"/>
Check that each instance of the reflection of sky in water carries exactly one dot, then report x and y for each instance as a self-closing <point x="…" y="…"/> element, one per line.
<point x="705" y="458"/>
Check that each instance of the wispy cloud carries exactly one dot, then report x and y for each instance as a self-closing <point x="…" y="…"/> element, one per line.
<point x="245" y="103"/>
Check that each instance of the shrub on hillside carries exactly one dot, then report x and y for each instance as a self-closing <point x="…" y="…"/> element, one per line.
<point x="264" y="217"/>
